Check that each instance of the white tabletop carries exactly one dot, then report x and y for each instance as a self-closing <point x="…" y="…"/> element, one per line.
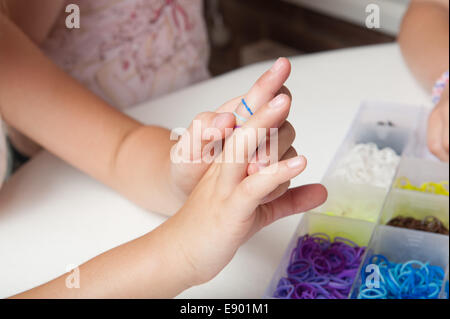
<point x="52" y="216"/>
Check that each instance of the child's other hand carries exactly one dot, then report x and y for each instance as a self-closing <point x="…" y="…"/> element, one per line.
<point x="438" y="127"/>
<point x="184" y="176"/>
<point x="228" y="206"/>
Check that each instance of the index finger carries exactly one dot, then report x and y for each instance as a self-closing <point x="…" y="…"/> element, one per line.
<point x="264" y="90"/>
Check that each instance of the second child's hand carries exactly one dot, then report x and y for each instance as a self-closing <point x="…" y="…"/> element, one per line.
<point x="227" y="206"/>
<point x="184" y="176"/>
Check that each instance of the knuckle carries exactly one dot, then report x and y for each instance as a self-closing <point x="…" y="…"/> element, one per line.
<point x="265" y="79"/>
<point x="259" y="84"/>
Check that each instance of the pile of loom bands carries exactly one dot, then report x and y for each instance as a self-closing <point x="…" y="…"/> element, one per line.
<point x="366" y="164"/>
<point x="429" y="187"/>
<point x="429" y="224"/>
<point x="411" y="280"/>
<point x="320" y="268"/>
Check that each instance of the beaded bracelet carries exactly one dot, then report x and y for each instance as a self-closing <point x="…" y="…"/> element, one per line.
<point x="439" y="88"/>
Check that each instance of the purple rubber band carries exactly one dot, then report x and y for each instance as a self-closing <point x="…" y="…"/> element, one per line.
<point x="302" y="289"/>
<point x="300" y="266"/>
<point x="284" y="292"/>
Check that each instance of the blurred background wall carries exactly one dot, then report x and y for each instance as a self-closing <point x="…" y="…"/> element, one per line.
<point x="243" y="32"/>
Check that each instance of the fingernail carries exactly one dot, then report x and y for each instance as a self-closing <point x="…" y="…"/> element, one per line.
<point x="296" y="162"/>
<point x="279" y="101"/>
<point x="220" y="120"/>
<point x="277" y="66"/>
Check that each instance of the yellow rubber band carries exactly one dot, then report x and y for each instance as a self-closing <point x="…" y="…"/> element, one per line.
<point x="428" y="187"/>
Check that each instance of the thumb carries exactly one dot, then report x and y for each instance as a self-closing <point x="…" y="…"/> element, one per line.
<point x="250" y="193"/>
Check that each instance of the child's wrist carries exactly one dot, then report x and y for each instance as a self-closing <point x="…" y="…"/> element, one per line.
<point x="176" y="263"/>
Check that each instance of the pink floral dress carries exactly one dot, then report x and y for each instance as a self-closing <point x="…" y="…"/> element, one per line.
<point x="129" y="51"/>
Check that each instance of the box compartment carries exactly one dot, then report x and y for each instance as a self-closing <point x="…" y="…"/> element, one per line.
<point x="386" y="125"/>
<point x="402" y="245"/>
<point x="358" y="231"/>
<point x="415" y="204"/>
<point x="420" y="171"/>
<point x="363" y="202"/>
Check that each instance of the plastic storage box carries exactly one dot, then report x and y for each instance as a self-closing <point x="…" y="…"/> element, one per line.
<point x="368" y="207"/>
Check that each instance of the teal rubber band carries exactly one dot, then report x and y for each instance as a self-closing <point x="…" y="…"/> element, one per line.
<point x="392" y="278"/>
<point x="422" y="278"/>
<point x="437" y="270"/>
<point x="379" y="293"/>
<point x="436" y="291"/>
<point x="241" y="118"/>
<point x="412" y="262"/>
<point x="397" y="269"/>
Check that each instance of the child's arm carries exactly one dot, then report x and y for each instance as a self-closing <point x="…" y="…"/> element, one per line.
<point x="424" y="40"/>
<point x="225" y="209"/>
<point x="48" y="106"/>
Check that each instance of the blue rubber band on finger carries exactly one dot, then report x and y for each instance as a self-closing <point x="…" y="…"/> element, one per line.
<point x="246" y="106"/>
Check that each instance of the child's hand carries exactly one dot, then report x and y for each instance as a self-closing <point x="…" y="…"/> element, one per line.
<point x="184" y="176"/>
<point x="227" y="206"/>
<point x="438" y="126"/>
